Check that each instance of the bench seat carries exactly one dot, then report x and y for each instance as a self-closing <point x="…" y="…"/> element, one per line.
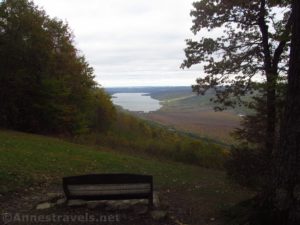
<point x="109" y="187"/>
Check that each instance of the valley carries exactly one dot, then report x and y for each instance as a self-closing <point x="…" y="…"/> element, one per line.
<point x="183" y="110"/>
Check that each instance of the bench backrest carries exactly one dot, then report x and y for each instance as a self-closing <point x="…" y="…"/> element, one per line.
<point x="109" y="187"/>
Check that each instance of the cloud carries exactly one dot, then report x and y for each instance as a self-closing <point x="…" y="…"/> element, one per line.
<point x="135" y="42"/>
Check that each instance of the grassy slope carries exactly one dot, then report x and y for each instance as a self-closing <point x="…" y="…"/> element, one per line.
<point x="31" y="159"/>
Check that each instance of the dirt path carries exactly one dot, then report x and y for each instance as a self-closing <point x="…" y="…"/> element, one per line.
<point x="20" y="208"/>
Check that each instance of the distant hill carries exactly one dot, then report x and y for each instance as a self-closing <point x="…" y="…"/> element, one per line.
<point x="150" y="90"/>
<point x="184" y="110"/>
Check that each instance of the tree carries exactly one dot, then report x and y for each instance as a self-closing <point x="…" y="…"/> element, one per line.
<point x="247" y="159"/>
<point x="286" y="189"/>
<point x="279" y="202"/>
<point x="21" y="55"/>
<point x="45" y="84"/>
<point x="254" y="41"/>
<point x="103" y="112"/>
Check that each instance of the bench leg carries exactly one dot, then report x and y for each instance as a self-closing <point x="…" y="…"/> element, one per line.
<point x="151" y="205"/>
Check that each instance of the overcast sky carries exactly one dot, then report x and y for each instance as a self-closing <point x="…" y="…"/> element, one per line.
<point x="130" y="42"/>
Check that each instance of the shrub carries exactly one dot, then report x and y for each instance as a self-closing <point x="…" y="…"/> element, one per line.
<point x="246" y="166"/>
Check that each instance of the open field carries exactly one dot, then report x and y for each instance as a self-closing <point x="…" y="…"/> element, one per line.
<point x="205" y="123"/>
<point x="195" y="114"/>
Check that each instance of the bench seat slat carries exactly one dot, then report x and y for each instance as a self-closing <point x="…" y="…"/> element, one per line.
<point x="109" y="192"/>
<point x="88" y="187"/>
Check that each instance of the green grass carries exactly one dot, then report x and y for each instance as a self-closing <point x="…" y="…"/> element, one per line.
<point x="28" y="159"/>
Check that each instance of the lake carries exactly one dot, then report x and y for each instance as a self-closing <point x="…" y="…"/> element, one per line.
<point x="136" y="102"/>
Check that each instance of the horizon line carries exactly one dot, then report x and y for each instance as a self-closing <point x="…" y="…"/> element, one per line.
<point x="145" y="86"/>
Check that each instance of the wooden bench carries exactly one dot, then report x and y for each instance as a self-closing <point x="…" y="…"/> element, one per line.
<point x="109" y="187"/>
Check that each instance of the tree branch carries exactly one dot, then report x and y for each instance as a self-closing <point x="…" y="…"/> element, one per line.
<point x="265" y="36"/>
<point x="282" y="44"/>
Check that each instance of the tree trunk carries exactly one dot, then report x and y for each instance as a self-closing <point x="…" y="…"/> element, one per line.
<point x="286" y="195"/>
<point x="271" y="75"/>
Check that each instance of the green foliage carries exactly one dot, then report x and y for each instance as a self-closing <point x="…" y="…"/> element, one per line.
<point x="103" y="112"/>
<point x="247" y="166"/>
<point x="45" y="85"/>
<point x="254" y="42"/>
<point x="249" y="161"/>
<point x="138" y="137"/>
<point x="251" y="40"/>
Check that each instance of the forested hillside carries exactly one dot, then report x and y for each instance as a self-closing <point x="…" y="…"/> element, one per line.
<point x="46" y="84"/>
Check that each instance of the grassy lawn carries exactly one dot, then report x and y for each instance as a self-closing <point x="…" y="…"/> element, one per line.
<point x="28" y="159"/>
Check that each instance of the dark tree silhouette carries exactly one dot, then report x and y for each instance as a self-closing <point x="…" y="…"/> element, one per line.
<point x="253" y="41"/>
<point x="286" y="196"/>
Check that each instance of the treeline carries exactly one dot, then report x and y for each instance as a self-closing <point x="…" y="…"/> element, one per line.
<point x="135" y="136"/>
<point x="46" y="84"/>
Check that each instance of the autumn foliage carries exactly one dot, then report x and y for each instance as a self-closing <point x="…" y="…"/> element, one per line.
<point x="46" y="85"/>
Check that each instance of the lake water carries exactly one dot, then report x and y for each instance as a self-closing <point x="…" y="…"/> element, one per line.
<point x="136" y="102"/>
